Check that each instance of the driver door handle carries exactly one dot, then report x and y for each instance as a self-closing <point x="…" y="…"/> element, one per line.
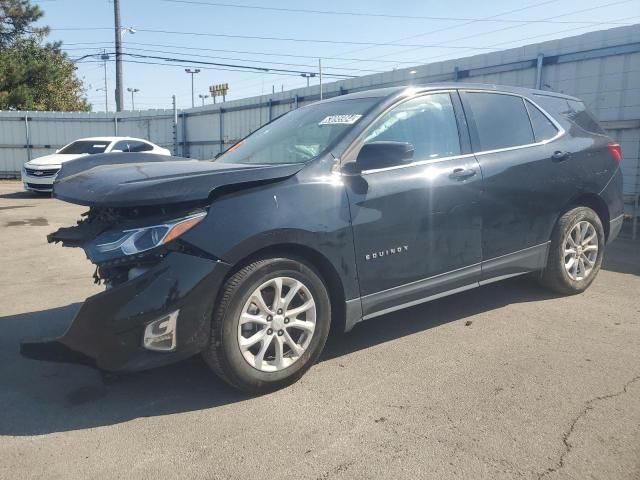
<point x="462" y="173"/>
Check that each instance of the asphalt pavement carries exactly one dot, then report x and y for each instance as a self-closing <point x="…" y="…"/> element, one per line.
<point x="502" y="382"/>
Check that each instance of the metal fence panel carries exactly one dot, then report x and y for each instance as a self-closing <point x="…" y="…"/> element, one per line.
<point x="602" y="68"/>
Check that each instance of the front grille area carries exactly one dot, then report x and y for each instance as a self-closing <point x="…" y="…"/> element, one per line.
<point x="37" y="186"/>
<point x="41" y="173"/>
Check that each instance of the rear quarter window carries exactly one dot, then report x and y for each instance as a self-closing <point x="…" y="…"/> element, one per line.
<point x="573" y="111"/>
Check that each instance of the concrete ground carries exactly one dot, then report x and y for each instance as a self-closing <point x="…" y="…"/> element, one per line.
<point x="507" y="381"/>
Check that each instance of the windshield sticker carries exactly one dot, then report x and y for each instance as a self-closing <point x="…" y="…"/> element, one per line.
<point x="340" y="119"/>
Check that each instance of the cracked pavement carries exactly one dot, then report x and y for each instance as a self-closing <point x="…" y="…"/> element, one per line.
<point x="536" y="386"/>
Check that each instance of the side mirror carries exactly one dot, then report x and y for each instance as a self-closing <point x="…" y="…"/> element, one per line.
<point x="384" y="154"/>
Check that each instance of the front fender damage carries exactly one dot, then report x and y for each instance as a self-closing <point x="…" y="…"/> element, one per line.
<point x="108" y="330"/>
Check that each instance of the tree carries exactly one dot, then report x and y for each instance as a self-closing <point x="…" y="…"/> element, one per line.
<point x="34" y="75"/>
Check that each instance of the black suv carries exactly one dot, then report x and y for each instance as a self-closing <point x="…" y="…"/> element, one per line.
<point x="334" y="213"/>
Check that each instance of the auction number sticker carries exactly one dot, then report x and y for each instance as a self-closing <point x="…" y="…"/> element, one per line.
<point x="348" y="119"/>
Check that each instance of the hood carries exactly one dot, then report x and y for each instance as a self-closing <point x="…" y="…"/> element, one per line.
<point x="148" y="179"/>
<point x="54" y="159"/>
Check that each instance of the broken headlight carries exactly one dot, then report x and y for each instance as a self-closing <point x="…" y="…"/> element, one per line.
<point x="132" y="241"/>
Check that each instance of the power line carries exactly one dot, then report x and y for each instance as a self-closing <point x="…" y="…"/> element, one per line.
<point x="453" y="27"/>
<point x="281" y="39"/>
<point x="467" y="37"/>
<point x="219" y="66"/>
<point x="313" y="66"/>
<point x="248" y="52"/>
<point x="381" y="15"/>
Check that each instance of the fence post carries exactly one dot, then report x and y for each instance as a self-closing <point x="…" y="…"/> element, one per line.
<point x="175" y="126"/>
<point x="115" y="124"/>
<point x="221" y="128"/>
<point x="27" y="135"/>
<point x="185" y="148"/>
<point x="539" y="63"/>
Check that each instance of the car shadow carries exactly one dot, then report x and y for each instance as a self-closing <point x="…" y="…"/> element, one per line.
<point x="25" y="194"/>
<point x="38" y="398"/>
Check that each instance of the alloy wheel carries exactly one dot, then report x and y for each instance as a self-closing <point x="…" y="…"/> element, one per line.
<point x="580" y="250"/>
<point x="277" y="324"/>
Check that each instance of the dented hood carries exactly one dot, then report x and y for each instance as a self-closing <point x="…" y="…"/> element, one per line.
<point x="135" y="179"/>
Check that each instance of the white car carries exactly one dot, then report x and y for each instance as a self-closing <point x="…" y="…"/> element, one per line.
<point x="38" y="174"/>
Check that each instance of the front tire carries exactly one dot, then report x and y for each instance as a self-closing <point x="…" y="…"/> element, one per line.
<point x="575" y="252"/>
<point x="269" y="326"/>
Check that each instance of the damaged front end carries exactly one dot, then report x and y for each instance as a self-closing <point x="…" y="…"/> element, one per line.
<point x="159" y="289"/>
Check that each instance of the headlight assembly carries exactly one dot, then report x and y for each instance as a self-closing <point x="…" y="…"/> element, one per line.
<point x="138" y="240"/>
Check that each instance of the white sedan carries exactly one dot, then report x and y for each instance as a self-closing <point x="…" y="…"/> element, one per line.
<point x="38" y="174"/>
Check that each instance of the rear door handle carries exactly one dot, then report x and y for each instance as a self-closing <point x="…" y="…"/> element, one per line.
<point x="560" y="156"/>
<point x="462" y="173"/>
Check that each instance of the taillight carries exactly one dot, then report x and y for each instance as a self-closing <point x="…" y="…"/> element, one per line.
<point x="614" y="148"/>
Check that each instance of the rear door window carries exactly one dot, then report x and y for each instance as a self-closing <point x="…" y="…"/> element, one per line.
<point x="543" y="128"/>
<point x="427" y="122"/>
<point x="136" y="146"/>
<point x="123" y="146"/>
<point x="501" y="120"/>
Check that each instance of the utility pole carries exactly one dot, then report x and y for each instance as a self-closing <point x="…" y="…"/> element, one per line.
<point x="118" y="32"/>
<point x="192" y="73"/>
<point x="320" y="72"/>
<point x="133" y="90"/>
<point x="104" y="57"/>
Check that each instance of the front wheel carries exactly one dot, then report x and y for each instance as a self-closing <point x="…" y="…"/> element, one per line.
<point x="575" y="252"/>
<point x="270" y="325"/>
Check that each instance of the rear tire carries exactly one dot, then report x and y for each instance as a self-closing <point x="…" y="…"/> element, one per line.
<point x="575" y="253"/>
<point x="260" y="344"/>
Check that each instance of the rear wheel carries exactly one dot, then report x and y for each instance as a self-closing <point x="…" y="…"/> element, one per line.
<point x="269" y="326"/>
<point x="575" y="253"/>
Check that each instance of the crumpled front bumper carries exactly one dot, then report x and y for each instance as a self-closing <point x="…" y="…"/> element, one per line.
<point x="108" y="330"/>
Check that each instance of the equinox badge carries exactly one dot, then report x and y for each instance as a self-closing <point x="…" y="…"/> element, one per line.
<point x="384" y="253"/>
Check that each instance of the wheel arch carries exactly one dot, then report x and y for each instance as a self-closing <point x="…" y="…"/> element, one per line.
<point x="595" y="203"/>
<point x="316" y="260"/>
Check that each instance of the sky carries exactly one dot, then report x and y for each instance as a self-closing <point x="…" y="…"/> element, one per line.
<point x="352" y="38"/>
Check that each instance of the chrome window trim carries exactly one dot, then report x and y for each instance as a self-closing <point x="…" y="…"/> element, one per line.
<point x="415" y="164"/>
<point x="561" y="131"/>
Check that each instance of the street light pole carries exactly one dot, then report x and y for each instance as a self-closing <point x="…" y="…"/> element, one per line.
<point x="203" y="97"/>
<point x="118" y="32"/>
<point x="192" y="73"/>
<point x="133" y="90"/>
